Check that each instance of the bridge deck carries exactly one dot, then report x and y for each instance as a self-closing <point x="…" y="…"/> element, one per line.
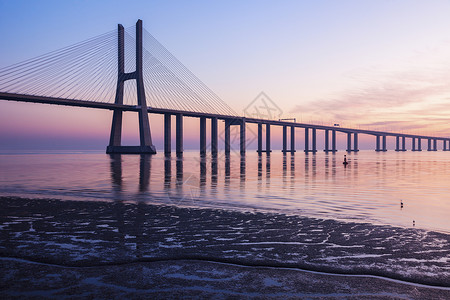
<point x="123" y="107"/>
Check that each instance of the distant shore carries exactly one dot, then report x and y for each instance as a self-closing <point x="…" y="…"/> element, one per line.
<point x="110" y="234"/>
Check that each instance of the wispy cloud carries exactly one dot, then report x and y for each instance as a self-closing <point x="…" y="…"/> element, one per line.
<point x="417" y="99"/>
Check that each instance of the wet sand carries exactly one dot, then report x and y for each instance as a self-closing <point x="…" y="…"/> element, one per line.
<point x="107" y="240"/>
<point x="196" y="279"/>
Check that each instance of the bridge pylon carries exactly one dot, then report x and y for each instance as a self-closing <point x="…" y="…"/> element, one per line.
<point x="115" y="141"/>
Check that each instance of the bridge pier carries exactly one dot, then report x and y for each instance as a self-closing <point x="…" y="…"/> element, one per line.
<point x="327" y="132"/>
<point x="397" y="143"/>
<point x="429" y="145"/>
<point x="434" y="145"/>
<point x="313" y="140"/>
<point x="242" y="136"/>
<point x="167" y="133"/>
<point x="145" y="138"/>
<point x="214" y="135"/>
<point x="444" y="146"/>
<point x="419" y="144"/>
<point x="259" y="138"/>
<point x="268" y="138"/>
<point x="284" y="139"/>
<point x="378" y="149"/>
<point x="227" y="137"/>
<point x="413" y="144"/>
<point x="202" y="135"/>
<point x="179" y="133"/>
<point x="292" y="139"/>
<point x="333" y="141"/>
<point x="349" y="141"/>
<point x="448" y="145"/>
<point x="355" y="142"/>
<point x="306" y="139"/>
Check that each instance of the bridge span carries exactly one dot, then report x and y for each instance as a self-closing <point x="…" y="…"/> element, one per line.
<point x="167" y="80"/>
<point x="288" y="129"/>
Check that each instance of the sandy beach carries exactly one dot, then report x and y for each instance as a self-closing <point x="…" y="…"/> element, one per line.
<point x="57" y="248"/>
<point x="196" y="279"/>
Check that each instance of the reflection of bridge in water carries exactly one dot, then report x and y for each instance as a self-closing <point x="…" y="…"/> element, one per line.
<point x="92" y="73"/>
<point x="231" y="173"/>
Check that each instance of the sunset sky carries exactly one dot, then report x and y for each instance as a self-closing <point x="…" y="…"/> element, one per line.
<point x="381" y="65"/>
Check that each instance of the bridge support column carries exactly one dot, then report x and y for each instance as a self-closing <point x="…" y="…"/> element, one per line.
<point x="384" y="144"/>
<point x="179" y="133"/>
<point x="227" y="137"/>
<point x="292" y="139"/>
<point x="306" y="139"/>
<point x="167" y="133"/>
<point x="259" y="138"/>
<point x="202" y="135"/>
<point x="429" y="145"/>
<point x="314" y="140"/>
<point x="378" y="149"/>
<point x="413" y="144"/>
<point x="268" y="139"/>
<point x="284" y="139"/>
<point x="397" y="143"/>
<point x="333" y="141"/>
<point x="445" y="148"/>
<point x="327" y="139"/>
<point x="242" y="136"/>
<point x="355" y="142"/>
<point x="434" y="145"/>
<point x="349" y="141"/>
<point x="214" y="139"/>
<point x="419" y="144"/>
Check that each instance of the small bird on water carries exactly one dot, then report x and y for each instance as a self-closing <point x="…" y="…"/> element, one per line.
<point x="401" y="203"/>
<point x="414" y="223"/>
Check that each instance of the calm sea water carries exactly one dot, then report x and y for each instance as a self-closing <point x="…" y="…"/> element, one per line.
<point x="369" y="189"/>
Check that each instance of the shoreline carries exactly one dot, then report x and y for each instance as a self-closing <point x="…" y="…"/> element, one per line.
<point x="76" y="233"/>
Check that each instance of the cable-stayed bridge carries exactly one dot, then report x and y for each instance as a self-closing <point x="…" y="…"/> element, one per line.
<point x="129" y="70"/>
